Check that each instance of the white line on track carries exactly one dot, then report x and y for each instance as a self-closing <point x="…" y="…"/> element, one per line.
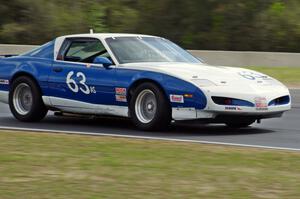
<point x="146" y="137"/>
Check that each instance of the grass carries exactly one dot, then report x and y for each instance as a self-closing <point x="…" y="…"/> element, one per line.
<point x="58" y="166"/>
<point x="288" y="75"/>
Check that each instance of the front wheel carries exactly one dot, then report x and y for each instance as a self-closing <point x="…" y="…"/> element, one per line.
<point x="25" y="100"/>
<point x="149" y="108"/>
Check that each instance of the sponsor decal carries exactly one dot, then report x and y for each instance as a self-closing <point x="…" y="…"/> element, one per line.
<point x="4" y="81"/>
<point x="121" y="94"/>
<point x="120" y="91"/>
<point x="232" y="108"/>
<point x="261" y="103"/>
<point x="121" y="98"/>
<point x="177" y="98"/>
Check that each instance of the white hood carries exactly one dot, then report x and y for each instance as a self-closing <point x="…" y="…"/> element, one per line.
<point x="219" y="75"/>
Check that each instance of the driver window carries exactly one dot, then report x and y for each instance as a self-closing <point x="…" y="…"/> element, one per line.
<point x="84" y="50"/>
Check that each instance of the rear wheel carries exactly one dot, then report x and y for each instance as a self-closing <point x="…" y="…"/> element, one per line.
<point x="25" y="100"/>
<point x="149" y="108"/>
<point x="240" y="124"/>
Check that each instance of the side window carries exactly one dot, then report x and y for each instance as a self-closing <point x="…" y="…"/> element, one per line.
<point x="82" y="50"/>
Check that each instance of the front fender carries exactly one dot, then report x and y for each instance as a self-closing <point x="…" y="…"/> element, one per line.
<point x="171" y="85"/>
<point x="193" y="97"/>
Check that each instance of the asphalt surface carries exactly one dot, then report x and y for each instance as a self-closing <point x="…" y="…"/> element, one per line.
<point x="280" y="132"/>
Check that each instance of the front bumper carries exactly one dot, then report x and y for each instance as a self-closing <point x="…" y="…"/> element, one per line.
<point x="213" y="110"/>
<point x="192" y="113"/>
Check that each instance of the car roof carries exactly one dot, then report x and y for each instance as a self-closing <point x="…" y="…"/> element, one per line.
<point x="101" y="36"/>
<point x="106" y="35"/>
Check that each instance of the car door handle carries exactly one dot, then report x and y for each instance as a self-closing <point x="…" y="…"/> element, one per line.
<point x="57" y="69"/>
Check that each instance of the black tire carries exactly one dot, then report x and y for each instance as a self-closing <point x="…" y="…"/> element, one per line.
<point x="162" y="115"/>
<point x="37" y="110"/>
<point x="240" y="124"/>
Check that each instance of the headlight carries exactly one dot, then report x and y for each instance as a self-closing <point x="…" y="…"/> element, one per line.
<point x="203" y="82"/>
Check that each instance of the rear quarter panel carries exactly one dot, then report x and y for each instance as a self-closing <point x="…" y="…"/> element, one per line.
<point x="37" y="68"/>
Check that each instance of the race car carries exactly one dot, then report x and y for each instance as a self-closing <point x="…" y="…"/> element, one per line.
<point x="146" y="78"/>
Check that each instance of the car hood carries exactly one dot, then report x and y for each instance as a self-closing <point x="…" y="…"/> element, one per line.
<point x="218" y="75"/>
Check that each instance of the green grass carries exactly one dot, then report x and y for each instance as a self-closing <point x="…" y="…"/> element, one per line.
<point x="288" y="75"/>
<point x="57" y="166"/>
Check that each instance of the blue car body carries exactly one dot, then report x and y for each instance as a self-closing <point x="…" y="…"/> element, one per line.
<point x="40" y="65"/>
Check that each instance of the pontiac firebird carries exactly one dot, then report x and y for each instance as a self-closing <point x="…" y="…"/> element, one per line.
<point x="146" y="78"/>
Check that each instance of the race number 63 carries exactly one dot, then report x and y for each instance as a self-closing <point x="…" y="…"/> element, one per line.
<point x="81" y="85"/>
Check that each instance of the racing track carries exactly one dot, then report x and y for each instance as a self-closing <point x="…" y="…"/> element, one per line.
<point x="278" y="133"/>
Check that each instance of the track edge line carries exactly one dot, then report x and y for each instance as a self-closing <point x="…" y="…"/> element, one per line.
<point x="147" y="138"/>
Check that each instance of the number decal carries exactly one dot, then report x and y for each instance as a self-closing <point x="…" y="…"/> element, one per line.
<point x="74" y="87"/>
<point x="253" y="76"/>
<point x="93" y="89"/>
<point x="71" y="82"/>
<point x="86" y="89"/>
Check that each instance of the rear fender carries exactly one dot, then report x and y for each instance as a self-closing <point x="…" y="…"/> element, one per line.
<point x="38" y="69"/>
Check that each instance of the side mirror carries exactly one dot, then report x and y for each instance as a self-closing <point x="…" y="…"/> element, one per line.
<point x="103" y="60"/>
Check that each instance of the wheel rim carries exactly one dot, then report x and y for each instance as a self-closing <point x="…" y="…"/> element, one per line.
<point x="145" y="106"/>
<point x="23" y="99"/>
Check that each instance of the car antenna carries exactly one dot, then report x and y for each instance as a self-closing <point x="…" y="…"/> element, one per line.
<point x="91" y="31"/>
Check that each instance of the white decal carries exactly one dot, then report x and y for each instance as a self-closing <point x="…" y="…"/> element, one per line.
<point x="121" y="98"/>
<point x="253" y="76"/>
<point x="71" y="82"/>
<point x="4" y="81"/>
<point x="232" y="108"/>
<point x="86" y="89"/>
<point x="93" y="89"/>
<point x="261" y="103"/>
<point x="177" y="98"/>
<point x="120" y="91"/>
<point x="73" y="86"/>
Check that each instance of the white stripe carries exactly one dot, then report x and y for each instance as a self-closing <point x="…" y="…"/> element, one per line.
<point x="4" y="97"/>
<point x="74" y="106"/>
<point x="147" y="137"/>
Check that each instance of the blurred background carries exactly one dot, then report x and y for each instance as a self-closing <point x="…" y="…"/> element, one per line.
<point x="256" y="25"/>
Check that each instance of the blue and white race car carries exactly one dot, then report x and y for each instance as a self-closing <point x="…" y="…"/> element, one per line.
<point x="146" y="78"/>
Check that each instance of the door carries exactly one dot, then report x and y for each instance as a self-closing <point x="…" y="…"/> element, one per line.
<point x="78" y="85"/>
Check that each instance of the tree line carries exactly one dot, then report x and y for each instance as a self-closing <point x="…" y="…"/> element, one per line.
<point x="256" y="25"/>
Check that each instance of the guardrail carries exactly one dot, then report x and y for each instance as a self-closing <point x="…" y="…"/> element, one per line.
<point x="223" y="58"/>
<point x="15" y="49"/>
<point x="246" y="58"/>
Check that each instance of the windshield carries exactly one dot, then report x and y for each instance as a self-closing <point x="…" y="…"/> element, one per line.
<point x="148" y="49"/>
